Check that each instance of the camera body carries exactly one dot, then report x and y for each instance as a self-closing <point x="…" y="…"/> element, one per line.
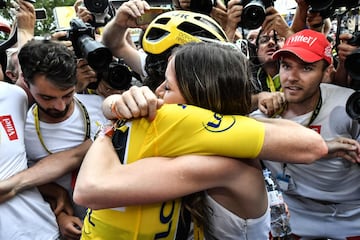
<point x="202" y="6"/>
<point x="82" y="36"/>
<point x="349" y="24"/>
<point x="101" y="10"/>
<point x="118" y="76"/>
<point x="254" y="13"/>
<point x="324" y="7"/>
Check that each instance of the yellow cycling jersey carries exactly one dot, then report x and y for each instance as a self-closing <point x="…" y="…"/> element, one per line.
<point x="177" y="130"/>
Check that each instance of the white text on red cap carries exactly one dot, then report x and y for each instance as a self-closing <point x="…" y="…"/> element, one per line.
<point x="305" y="39"/>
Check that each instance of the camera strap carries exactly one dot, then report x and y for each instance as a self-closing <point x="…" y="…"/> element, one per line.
<point x="37" y="123"/>
<point x="316" y="110"/>
<point x="198" y="231"/>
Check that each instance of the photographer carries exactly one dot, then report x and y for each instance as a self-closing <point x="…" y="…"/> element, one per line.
<point x="267" y="96"/>
<point x="314" y="18"/>
<point x="82" y="12"/>
<point x="344" y="49"/>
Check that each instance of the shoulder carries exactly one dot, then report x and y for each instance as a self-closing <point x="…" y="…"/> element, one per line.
<point x="88" y="99"/>
<point x="335" y="89"/>
<point x="14" y="95"/>
<point x="257" y="114"/>
<point x="11" y="89"/>
<point x="181" y="110"/>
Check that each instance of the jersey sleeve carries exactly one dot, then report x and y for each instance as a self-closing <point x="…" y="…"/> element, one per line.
<point x="183" y="129"/>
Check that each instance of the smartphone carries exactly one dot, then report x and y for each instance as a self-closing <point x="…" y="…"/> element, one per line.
<point x="40" y="14"/>
<point x="150" y="15"/>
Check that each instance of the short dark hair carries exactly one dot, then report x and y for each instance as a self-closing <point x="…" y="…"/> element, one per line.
<point x="49" y="58"/>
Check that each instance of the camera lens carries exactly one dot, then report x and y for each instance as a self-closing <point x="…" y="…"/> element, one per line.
<point x="353" y="106"/>
<point x="96" y="6"/>
<point x="202" y="6"/>
<point x="118" y="76"/>
<point x="352" y="64"/>
<point x="253" y="15"/>
<point x="97" y="55"/>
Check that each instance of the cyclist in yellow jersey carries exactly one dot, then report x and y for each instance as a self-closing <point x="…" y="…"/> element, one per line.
<point x="184" y="129"/>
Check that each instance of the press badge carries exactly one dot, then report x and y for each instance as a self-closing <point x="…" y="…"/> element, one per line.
<point x="285" y="182"/>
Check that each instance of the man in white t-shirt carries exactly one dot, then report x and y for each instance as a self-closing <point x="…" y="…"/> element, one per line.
<point x="323" y="197"/>
<point x="26" y="215"/>
<point x="58" y="122"/>
<point x="60" y="119"/>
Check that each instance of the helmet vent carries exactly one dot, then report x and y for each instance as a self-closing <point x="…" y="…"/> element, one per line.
<point x="156" y="34"/>
<point x="163" y="20"/>
<point x="212" y="26"/>
<point x="195" y="30"/>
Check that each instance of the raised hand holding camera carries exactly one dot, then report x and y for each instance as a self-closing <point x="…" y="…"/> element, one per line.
<point x="253" y="13"/>
<point x="82" y="36"/>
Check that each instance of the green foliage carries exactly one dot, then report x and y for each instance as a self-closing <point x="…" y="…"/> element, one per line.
<point x="42" y="26"/>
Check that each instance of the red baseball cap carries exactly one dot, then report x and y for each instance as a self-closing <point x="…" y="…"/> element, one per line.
<point x="5" y="28"/>
<point x="308" y="45"/>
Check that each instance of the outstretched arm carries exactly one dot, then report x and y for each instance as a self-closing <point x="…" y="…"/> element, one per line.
<point x="115" y="33"/>
<point x="46" y="170"/>
<point x="287" y="141"/>
<point x="103" y="182"/>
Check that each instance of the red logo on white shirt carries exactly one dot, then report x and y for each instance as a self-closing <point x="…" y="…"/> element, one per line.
<point x="316" y="128"/>
<point x="8" y="125"/>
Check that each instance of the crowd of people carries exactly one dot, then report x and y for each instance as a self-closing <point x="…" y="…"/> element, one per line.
<point x="170" y="141"/>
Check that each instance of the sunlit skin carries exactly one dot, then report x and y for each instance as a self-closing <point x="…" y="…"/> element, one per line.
<point x="300" y="82"/>
<point x="169" y="89"/>
<point x="55" y="105"/>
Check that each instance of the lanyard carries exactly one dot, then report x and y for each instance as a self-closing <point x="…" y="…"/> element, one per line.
<point x="198" y="231"/>
<point x="316" y="111"/>
<point x="37" y="123"/>
<point x="270" y="83"/>
<point x="311" y="120"/>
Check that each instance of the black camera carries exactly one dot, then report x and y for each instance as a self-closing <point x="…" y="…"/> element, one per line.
<point x="324" y="7"/>
<point x="202" y="6"/>
<point x="352" y="62"/>
<point x="82" y="36"/>
<point x="349" y="24"/>
<point x="117" y="75"/>
<point x="101" y="10"/>
<point x="254" y="13"/>
<point x="353" y="106"/>
<point x="2" y="4"/>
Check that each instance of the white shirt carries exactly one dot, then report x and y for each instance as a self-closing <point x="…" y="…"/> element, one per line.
<point x="27" y="215"/>
<point x="64" y="135"/>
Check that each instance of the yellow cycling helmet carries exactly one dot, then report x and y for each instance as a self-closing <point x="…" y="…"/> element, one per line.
<point x="179" y="27"/>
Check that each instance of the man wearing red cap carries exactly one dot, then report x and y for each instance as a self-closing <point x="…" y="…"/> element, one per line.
<point x="323" y="197"/>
